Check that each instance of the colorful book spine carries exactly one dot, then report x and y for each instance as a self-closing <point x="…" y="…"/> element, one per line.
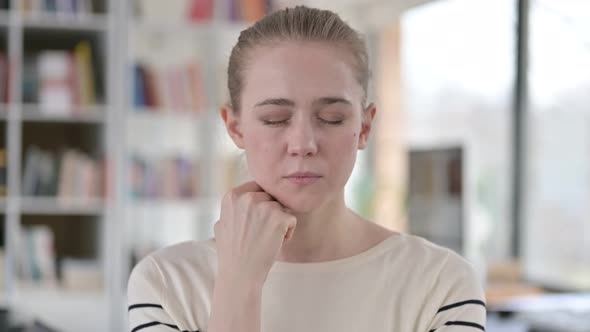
<point x="51" y="7"/>
<point x="55" y="92"/>
<point x="248" y="10"/>
<point x="175" y="88"/>
<point x="66" y="175"/>
<point x="3" y="173"/>
<point x="37" y="256"/>
<point x="3" y="78"/>
<point x="60" y="80"/>
<point x="176" y="177"/>
<point x="200" y="10"/>
<point x="85" y="73"/>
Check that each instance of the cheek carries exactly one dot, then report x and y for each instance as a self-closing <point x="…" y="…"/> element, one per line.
<point x="254" y="140"/>
<point x="260" y="154"/>
<point x="260" y="145"/>
<point x="347" y="141"/>
<point x="343" y="149"/>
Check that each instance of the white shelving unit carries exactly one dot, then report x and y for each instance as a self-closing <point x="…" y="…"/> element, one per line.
<point x="92" y="130"/>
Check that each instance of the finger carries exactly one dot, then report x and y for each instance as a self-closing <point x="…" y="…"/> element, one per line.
<point x="286" y="209"/>
<point x="250" y="186"/>
<point x="271" y="205"/>
<point x="256" y="197"/>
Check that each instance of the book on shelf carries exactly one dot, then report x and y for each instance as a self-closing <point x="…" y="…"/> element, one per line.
<point x="168" y="178"/>
<point x="200" y="10"/>
<point x="30" y="82"/>
<point x="2" y="233"/>
<point x="2" y="259"/>
<point x="60" y="81"/>
<point x="3" y="172"/>
<point x="248" y="10"/>
<point x="33" y="8"/>
<point x="175" y="10"/>
<point x="36" y="263"/>
<point x="56" y="91"/>
<point x="84" y="75"/>
<point x="177" y="88"/>
<point x="69" y="174"/>
<point x="5" y="76"/>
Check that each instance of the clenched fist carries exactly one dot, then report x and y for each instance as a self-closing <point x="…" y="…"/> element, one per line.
<point x="250" y="232"/>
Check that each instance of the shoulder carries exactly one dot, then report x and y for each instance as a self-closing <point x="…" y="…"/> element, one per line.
<point x="189" y="252"/>
<point x="439" y="271"/>
<point x="171" y="287"/>
<point x="450" y="285"/>
<point x="446" y="265"/>
<point x="421" y="254"/>
<point x="175" y="266"/>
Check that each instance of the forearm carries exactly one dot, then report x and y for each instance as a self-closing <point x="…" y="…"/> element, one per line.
<point x="236" y="305"/>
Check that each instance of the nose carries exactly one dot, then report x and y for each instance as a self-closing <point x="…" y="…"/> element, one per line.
<point x="302" y="141"/>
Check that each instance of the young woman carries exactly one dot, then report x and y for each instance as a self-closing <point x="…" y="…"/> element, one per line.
<point x="288" y="255"/>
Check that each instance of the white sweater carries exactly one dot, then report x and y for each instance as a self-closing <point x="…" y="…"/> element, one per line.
<point x="403" y="284"/>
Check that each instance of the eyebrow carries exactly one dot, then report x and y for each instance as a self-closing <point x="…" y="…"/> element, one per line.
<point x="318" y="102"/>
<point x="331" y="100"/>
<point x="276" y="101"/>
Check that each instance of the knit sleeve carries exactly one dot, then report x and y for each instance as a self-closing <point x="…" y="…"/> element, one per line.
<point x="146" y="310"/>
<point x="457" y="298"/>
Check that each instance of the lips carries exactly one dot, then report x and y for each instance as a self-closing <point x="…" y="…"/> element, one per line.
<point x="303" y="177"/>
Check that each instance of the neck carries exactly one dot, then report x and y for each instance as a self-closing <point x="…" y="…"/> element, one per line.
<point x="322" y="234"/>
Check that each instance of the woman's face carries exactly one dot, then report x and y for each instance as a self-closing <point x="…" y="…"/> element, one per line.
<point x="301" y="121"/>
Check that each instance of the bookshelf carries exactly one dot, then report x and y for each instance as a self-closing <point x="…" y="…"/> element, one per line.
<point x="57" y="123"/>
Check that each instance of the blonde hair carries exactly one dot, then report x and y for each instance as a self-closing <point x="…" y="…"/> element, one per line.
<point x="296" y="24"/>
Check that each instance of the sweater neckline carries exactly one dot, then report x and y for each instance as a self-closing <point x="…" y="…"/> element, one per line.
<point x="337" y="264"/>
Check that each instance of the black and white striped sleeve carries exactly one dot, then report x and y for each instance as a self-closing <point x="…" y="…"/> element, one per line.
<point x="458" y="299"/>
<point x="146" y="310"/>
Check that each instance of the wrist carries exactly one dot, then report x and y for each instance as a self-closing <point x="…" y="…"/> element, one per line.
<point x="235" y="279"/>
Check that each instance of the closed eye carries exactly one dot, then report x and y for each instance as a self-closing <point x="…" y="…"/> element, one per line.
<point x="286" y="121"/>
<point x="336" y="122"/>
<point x="275" y="123"/>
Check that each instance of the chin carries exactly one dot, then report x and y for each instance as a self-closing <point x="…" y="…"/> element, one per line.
<point x="299" y="202"/>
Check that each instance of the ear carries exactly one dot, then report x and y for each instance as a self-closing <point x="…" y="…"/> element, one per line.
<point x="367" y="122"/>
<point x="232" y="125"/>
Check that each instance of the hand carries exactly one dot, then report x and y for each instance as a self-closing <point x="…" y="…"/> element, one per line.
<point x="251" y="231"/>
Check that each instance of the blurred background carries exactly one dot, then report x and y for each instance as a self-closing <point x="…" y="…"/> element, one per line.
<point x="111" y="145"/>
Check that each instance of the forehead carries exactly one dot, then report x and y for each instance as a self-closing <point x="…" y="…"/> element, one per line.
<point x="301" y="71"/>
